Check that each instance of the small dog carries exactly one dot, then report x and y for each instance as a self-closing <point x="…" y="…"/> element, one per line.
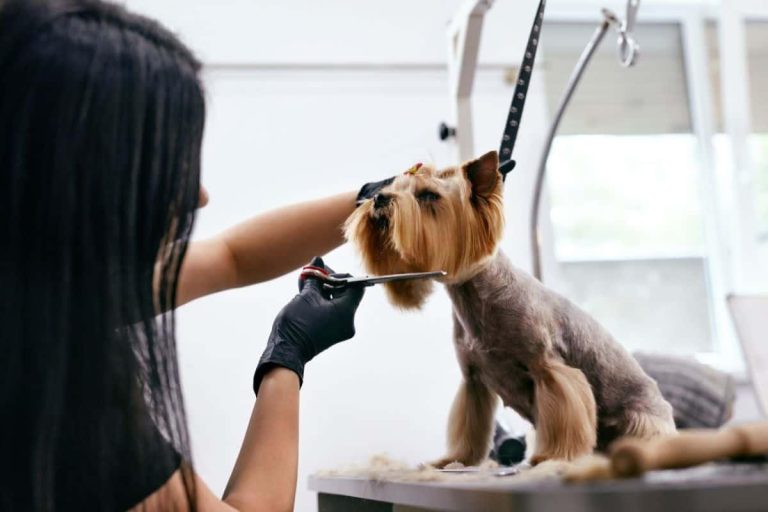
<point x="546" y="358"/>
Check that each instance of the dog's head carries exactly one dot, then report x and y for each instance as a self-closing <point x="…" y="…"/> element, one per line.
<point x="428" y="219"/>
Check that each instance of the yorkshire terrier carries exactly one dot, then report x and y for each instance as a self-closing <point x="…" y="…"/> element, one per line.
<point x="545" y="357"/>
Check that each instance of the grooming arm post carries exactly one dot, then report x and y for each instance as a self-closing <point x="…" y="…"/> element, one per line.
<point x="570" y="89"/>
<point x="628" y="54"/>
<point x="464" y="34"/>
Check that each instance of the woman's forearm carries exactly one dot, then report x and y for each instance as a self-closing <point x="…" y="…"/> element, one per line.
<point x="274" y="243"/>
<point x="264" y="476"/>
<point x="264" y="247"/>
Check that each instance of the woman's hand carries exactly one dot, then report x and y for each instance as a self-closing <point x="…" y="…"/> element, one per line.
<point x="369" y="190"/>
<point x="310" y="323"/>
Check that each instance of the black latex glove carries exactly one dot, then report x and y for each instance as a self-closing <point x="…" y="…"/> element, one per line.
<point x="370" y="189"/>
<point x="309" y="324"/>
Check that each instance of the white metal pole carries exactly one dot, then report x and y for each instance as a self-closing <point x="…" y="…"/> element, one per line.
<point x="464" y="34"/>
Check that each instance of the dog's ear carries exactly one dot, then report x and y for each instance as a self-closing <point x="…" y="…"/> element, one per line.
<point x="483" y="174"/>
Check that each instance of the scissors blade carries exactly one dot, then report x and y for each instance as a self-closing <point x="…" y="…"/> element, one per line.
<point x="372" y="280"/>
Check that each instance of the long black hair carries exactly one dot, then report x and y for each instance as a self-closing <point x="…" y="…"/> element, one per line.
<point x="101" y="122"/>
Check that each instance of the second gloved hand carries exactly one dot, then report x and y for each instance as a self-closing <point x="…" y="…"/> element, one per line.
<point x="369" y="190"/>
<point x="310" y="323"/>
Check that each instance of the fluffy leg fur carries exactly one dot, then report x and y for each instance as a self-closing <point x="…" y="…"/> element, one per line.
<point x="566" y="414"/>
<point x="470" y="424"/>
<point x="647" y="426"/>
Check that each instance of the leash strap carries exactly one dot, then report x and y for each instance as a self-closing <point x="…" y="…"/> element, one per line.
<point x="520" y="95"/>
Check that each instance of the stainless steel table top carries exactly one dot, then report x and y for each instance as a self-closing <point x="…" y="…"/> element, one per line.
<point x="711" y="488"/>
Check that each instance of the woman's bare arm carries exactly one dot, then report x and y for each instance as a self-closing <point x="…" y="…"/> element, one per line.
<point x="264" y="247"/>
<point x="264" y="477"/>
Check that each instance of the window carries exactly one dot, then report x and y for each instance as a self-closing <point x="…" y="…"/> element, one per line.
<point x="624" y="184"/>
<point x="756" y="40"/>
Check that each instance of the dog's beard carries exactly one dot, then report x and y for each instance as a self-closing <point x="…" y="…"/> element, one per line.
<point x="404" y="236"/>
<point x="372" y="231"/>
<point x="409" y="294"/>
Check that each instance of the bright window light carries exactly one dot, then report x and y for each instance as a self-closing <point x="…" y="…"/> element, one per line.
<point x="625" y="196"/>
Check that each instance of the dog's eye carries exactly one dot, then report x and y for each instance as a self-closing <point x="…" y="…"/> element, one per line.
<point x="427" y="196"/>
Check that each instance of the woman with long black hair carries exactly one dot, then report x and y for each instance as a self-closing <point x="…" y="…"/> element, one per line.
<point x="101" y="123"/>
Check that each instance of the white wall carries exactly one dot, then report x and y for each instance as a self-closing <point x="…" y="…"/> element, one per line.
<point x="288" y="123"/>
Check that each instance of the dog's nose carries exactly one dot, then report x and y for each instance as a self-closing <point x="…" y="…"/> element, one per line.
<point x="380" y="200"/>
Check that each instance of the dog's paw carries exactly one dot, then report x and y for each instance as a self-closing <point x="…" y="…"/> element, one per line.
<point x="446" y="462"/>
<point x="538" y="458"/>
<point x="589" y="468"/>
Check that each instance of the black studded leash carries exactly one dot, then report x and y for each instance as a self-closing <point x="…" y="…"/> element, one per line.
<point x="520" y="95"/>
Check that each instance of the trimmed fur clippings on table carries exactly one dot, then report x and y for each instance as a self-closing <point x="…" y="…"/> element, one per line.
<point x="385" y="469"/>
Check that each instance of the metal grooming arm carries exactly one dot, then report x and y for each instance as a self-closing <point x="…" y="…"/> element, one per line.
<point x="464" y="34"/>
<point x="628" y="53"/>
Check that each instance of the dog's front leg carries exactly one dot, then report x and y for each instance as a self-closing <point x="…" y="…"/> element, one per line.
<point x="566" y="412"/>
<point x="470" y="423"/>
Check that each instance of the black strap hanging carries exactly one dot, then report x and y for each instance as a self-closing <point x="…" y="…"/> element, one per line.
<point x="520" y="95"/>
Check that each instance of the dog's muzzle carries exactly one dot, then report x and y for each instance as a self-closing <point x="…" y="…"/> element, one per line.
<point x="381" y="201"/>
<point x="380" y="211"/>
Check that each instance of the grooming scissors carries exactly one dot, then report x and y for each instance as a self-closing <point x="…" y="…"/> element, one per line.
<point x="334" y="282"/>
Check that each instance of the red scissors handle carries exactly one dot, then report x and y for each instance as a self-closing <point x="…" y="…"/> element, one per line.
<point x="307" y="270"/>
<point x="321" y="274"/>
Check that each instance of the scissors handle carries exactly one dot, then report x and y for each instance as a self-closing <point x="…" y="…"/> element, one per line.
<point x="322" y="275"/>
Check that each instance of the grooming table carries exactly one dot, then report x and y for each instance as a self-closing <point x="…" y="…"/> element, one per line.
<point x="710" y="488"/>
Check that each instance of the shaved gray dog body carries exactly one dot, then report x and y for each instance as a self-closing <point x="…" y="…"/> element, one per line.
<point x="506" y="323"/>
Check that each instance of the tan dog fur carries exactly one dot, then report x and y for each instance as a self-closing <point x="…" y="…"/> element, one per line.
<point x="544" y="357"/>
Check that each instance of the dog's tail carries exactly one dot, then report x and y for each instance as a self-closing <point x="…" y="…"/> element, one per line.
<point x="566" y="413"/>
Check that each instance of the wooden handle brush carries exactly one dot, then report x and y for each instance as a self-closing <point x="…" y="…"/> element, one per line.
<point x="633" y="457"/>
